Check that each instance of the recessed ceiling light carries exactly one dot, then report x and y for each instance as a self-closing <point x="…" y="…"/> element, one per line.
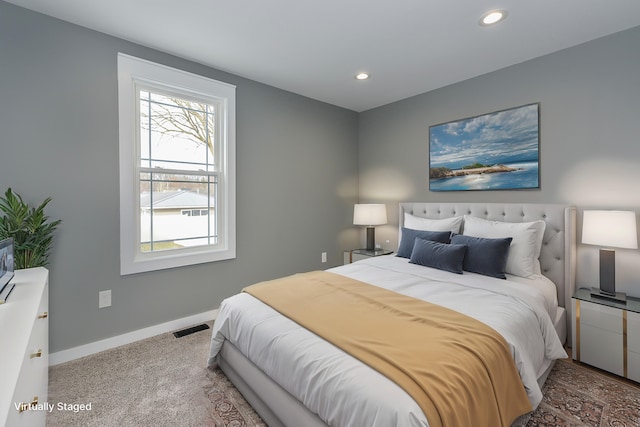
<point x="362" y="76"/>
<point x="493" y="17"/>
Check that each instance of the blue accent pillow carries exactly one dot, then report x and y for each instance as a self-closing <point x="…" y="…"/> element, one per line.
<point x="485" y="256"/>
<point x="438" y="255"/>
<point x="409" y="236"/>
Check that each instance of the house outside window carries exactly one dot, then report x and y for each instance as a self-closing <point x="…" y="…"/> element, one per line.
<point x="177" y="167"/>
<point x="195" y="212"/>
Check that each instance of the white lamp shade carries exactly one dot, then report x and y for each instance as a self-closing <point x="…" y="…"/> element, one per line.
<point x="369" y="214"/>
<point x="612" y="229"/>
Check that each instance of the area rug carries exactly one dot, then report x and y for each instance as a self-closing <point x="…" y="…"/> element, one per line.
<point x="228" y="407"/>
<point x="574" y="396"/>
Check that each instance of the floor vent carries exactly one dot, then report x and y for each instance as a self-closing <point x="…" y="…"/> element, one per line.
<point x="189" y="331"/>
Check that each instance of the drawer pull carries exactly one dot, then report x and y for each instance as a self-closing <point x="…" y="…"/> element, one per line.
<point x="43" y="315"/>
<point x="24" y="405"/>
<point x="36" y="354"/>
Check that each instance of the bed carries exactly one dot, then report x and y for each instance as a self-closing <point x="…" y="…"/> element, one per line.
<point x="329" y="387"/>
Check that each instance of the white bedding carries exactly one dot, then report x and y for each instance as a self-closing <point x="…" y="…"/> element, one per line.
<point x="344" y="391"/>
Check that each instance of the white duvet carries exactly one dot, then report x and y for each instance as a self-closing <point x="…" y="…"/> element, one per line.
<point x="342" y="390"/>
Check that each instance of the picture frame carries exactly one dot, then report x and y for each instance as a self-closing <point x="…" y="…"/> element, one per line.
<point x="494" y="151"/>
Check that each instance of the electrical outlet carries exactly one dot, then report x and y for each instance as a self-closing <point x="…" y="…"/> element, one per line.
<point x="104" y="299"/>
<point x="324" y="257"/>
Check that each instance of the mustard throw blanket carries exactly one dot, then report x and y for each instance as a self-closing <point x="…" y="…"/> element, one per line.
<point x="459" y="371"/>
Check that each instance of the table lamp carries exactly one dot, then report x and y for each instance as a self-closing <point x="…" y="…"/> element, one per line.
<point x="611" y="229"/>
<point x="370" y="215"/>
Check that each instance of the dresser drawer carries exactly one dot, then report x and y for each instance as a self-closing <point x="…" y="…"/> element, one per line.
<point x="25" y="358"/>
<point x="39" y="340"/>
<point x="30" y="389"/>
<point x="33" y="379"/>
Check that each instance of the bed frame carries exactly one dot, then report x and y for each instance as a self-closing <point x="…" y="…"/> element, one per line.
<point x="557" y="261"/>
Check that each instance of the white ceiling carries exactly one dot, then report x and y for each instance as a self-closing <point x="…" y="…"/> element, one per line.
<point x="315" y="47"/>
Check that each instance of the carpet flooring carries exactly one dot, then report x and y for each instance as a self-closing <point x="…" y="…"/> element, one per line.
<point x="163" y="381"/>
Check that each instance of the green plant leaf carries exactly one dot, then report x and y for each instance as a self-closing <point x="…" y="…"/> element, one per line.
<point x="30" y="228"/>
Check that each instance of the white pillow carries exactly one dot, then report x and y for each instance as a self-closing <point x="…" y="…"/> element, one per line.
<point x="425" y="224"/>
<point x="525" y="246"/>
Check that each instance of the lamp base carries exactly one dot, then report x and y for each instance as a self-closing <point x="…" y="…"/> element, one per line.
<point x="616" y="296"/>
<point x="371" y="238"/>
<point x="608" y="271"/>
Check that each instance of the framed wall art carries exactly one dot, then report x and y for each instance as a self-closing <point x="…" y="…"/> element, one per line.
<point x="495" y="151"/>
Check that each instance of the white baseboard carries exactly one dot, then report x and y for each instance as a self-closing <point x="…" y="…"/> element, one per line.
<point x="113" y="342"/>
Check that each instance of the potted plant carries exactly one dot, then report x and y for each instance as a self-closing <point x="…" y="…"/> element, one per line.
<point x="30" y="228"/>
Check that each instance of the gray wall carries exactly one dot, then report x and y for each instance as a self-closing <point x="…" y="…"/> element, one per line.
<point x="301" y="164"/>
<point x="296" y="179"/>
<point x="589" y="99"/>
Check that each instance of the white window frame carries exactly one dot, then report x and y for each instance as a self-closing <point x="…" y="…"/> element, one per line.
<point x="134" y="72"/>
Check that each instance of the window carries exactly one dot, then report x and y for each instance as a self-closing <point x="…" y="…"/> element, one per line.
<point x="177" y="167"/>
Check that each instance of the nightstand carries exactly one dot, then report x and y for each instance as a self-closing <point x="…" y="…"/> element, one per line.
<point x="606" y="333"/>
<point x="358" y="254"/>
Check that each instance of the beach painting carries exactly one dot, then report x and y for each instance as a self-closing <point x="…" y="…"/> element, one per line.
<point x="496" y="151"/>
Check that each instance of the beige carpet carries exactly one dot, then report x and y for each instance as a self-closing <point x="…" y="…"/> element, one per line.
<point x="163" y="381"/>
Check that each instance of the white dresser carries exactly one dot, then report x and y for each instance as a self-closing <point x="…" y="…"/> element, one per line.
<point x="24" y="350"/>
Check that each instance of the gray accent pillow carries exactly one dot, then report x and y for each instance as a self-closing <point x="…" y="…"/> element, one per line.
<point x="485" y="256"/>
<point x="438" y="255"/>
<point x="409" y="236"/>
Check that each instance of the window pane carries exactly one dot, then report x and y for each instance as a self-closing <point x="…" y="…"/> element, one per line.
<point x="176" y="211"/>
<point x="176" y="133"/>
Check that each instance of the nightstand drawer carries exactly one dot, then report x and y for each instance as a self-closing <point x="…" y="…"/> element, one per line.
<point x="633" y="332"/>
<point x="633" y="366"/>
<point x="601" y="349"/>
<point x="633" y="346"/>
<point x="601" y="316"/>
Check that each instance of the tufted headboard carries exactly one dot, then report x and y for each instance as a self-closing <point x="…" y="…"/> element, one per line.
<point x="557" y="256"/>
